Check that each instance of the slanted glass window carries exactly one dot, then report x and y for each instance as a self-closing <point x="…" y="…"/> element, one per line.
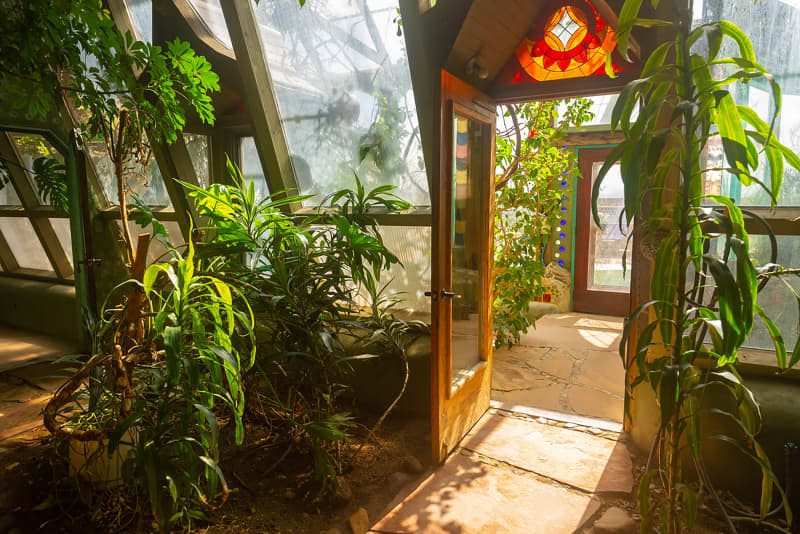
<point x="30" y="148"/>
<point x="8" y="195"/>
<point x="62" y="230"/>
<point x="341" y="79"/>
<point x="198" y="148"/>
<point x="210" y="14"/>
<point x="772" y="26"/>
<point x="143" y="181"/>
<point x="24" y="244"/>
<point x="141" y="12"/>
<point x="252" y="169"/>
<point x="601" y="108"/>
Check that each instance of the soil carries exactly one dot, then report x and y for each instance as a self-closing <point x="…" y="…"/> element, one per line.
<point x="37" y="495"/>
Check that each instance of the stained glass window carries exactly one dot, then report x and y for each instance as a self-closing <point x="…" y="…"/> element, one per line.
<point x="573" y="43"/>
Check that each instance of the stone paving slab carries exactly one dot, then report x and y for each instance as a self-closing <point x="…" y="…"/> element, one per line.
<point x="579" y="459"/>
<point x="467" y="496"/>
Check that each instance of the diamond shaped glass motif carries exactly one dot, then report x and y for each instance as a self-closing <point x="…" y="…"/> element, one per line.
<point x="565" y="28"/>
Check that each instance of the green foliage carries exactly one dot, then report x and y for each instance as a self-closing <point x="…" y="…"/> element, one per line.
<point x="302" y="275"/>
<point x="688" y="340"/>
<point x="203" y="329"/>
<point x="125" y="91"/>
<point x="531" y="164"/>
<point x="50" y="176"/>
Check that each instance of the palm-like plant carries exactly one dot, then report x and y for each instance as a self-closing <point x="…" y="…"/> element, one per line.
<point x="704" y="287"/>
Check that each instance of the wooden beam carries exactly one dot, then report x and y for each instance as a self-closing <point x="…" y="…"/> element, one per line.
<point x="270" y="140"/>
<point x="30" y="200"/>
<point x="7" y="259"/>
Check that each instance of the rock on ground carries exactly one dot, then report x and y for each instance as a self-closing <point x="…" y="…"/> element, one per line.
<point x="615" y="520"/>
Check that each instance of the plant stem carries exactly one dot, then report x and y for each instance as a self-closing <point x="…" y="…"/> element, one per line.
<point x="686" y="90"/>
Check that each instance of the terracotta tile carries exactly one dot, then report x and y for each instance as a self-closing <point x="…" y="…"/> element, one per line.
<point x="576" y="458"/>
<point x="466" y="496"/>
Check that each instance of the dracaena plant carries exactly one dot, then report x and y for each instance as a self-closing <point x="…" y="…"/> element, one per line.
<point x="704" y="285"/>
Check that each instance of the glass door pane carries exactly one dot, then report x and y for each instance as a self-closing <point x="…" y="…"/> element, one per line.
<point x="468" y="166"/>
<point x="607" y="243"/>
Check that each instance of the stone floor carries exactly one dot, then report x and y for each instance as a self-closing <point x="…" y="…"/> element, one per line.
<point x="28" y="378"/>
<point x="568" y="363"/>
<point x="514" y="474"/>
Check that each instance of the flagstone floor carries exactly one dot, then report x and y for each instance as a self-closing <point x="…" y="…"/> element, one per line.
<point x="515" y="474"/>
<point x="568" y="363"/>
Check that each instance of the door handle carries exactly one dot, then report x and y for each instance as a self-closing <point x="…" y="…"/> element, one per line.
<point x="448" y="295"/>
<point x="431" y="294"/>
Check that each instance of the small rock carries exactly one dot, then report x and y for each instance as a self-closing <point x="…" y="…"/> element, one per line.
<point x="542" y="420"/>
<point x="615" y="520"/>
<point x="412" y="465"/>
<point x="343" y="493"/>
<point x="359" y="522"/>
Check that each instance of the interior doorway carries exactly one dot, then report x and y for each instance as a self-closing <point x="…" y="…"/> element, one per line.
<point x="566" y="365"/>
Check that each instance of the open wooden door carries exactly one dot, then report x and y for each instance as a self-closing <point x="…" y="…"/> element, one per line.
<point x="461" y="293"/>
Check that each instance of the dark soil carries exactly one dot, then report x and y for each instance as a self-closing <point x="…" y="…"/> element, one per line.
<point x="37" y="494"/>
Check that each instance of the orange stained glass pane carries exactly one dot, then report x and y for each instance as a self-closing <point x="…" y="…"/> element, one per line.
<point x="571" y="47"/>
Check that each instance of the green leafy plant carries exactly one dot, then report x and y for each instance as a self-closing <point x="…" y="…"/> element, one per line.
<point x="704" y="285"/>
<point x="531" y="164"/>
<point x="302" y="275"/>
<point x="125" y="93"/>
<point x="169" y="393"/>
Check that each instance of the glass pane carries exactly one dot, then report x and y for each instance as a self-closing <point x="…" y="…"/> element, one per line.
<point x="30" y="147"/>
<point x="251" y="167"/>
<point x="24" y="243"/>
<point x="408" y="282"/>
<point x="607" y="243"/>
<point x="210" y="13"/>
<point x="197" y="145"/>
<point x="777" y="300"/>
<point x="344" y="93"/>
<point x="144" y="182"/>
<point x="469" y="168"/>
<point x="61" y="227"/>
<point x="8" y="196"/>
<point x="772" y="25"/>
<point x="141" y="12"/>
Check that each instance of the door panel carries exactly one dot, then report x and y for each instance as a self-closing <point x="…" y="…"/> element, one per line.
<point x="461" y="282"/>
<point x="602" y="283"/>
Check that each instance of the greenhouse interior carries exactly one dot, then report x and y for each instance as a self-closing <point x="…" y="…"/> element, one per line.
<point x="399" y="266"/>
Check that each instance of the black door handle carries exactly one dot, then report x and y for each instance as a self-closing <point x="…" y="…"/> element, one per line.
<point x="448" y="295"/>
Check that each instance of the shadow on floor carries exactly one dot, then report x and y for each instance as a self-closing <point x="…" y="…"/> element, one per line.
<point x="514" y="475"/>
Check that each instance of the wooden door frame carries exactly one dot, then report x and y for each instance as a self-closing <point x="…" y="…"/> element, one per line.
<point x="464" y="403"/>
<point x="585" y="299"/>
